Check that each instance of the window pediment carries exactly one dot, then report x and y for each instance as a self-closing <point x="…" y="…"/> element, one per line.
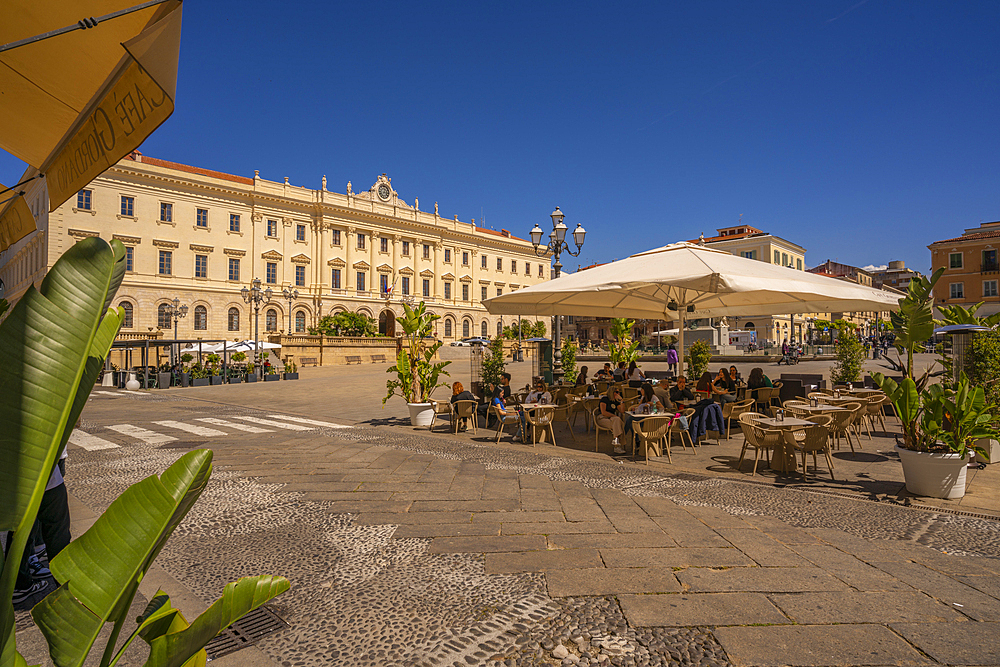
<point x="362" y="266"/>
<point x="384" y="268"/>
<point x="202" y="248"/>
<point x="300" y="259"/>
<point x="165" y="244"/>
<point x="336" y="261"/>
<point x="426" y="273"/>
<point x="466" y="279"/>
<point x="235" y="252"/>
<point x="406" y="271"/>
<point x="448" y="276"/>
<point x="271" y="254"/>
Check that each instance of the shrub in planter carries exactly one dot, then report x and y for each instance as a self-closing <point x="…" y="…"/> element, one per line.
<point x="698" y="357"/>
<point x="291" y="371"/>
<point x="417" y="373"/>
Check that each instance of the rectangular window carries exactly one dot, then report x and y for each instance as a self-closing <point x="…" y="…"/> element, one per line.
<point x="954" y="260"/>
<point x="482" y="263"/>
<point x="777" y="257"/>
<point x="129" y="258"/>
<point x="405" y="287"/>
<point x="335" y="279"/>
<point x="427" y="251"/>
<point x="234" y="268"/>
<point x="384" y="244"/>
<point x="300" y="275"/>
<point x="272" y="228"/>
<point x="427" y="287"/>
<point x="447" y="290"/>
<point x="541" y="270"/>
<point x="361" y="281"/>
<point x="361" y="241"/>
<point x="749" y="254"/>
<point x="989" y="288"/>
<point x="201" y="217"/>
<point x="957" y="291"/>
<point x="166" y="212"/>
<point x="271" y="273"/>
<point x="447" y="254"/>
<point x="499" y="264"/>
<point x="128" y="206"/>
<point x="406" y="248"/>
<point x="300" y="232"/>
<point x="784" y="259"/>
<point x="234" y="222"/>
<point x="513" y="266"/>
<point x="166" y="262"/>
<point x="527" y="268"/>
<point x="201" y="266"/>
<point x="465" y="292"/>
<point x="83" y="199"/>
<point x="499" y="291"/>
<point x="465" y="259"/>
<point x="989" y="260"/>
<point x="482" y="294"/>
<point x="383" y="283"/>
<point x="335" y="236"/>
<point x="798" y="264"/>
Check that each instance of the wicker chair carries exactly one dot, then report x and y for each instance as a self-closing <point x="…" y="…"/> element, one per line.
<point x="875" y="409"/>
<point x="442" y="407"/>
<point x="651" y="432"/>
<point x="541" y="418"/>
<point x="503" y="420"/>
<point x="598" y="428"/>
<point x="561" y="413"/>
<point x="841" y="423"/>
<point x="776" y="394"/>
<point x="732" y="411"/>
<point x="464" y="410"/>
<point x="675" y="427"/>
<point x="815" y="439"/>
<point x="761" y="439"/>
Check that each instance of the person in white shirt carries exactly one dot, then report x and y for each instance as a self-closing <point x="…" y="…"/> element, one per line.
<point x="539" y="395"/>
<point x="633" y="373"/>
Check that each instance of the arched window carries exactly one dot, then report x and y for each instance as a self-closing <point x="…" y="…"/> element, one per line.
<point x="200" y="318"/>
<point x="234" y="319"/>
<point x="300" y="322"/>
<point x="163" y="316"/>
<point x="127" y="318"/>
<point x="465" y="329"/>
<point x="485" y="329"/>
<point x="749" y="326"/>
<point x="499" y="329"/>
<point x="447" y="328"/>
<point x="271" y="320"/>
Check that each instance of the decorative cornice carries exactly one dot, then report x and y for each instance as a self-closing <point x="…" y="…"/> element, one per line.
<point x="166" y="244"/>
<point x="466" y="278"/>
<point x="364" y="266"/>
<point x="448" y="276"/>
<point x="427" y="273"/>
<point x="406" y="271"/>
<point x="82" y="233"/>
<point x="202" y="248"/>
<point x="384" y="268"/>
<point x="300" y="259"/>
<point x="484" y="282"/>
<point x="234" y="252"/>
<point x="337" y="262"/>
<point x="499" y="284"/>
<point x="271" y="254"/>
<point x="127" y="240"/>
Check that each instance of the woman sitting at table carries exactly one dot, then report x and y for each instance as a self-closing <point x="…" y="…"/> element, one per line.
<point x="539" y="395"/>
<point x="648" y="403"/>
<point x="633" y="374"/>
<point x="734" y="374"/>
<point x="757" y="380"/>
<point x="581" y="377"/>
<point x="610" y="417"/>
<point x="501" y="407"/>
<point x="704" y="383"/>
<point x="724" y="388"/>
<point x="460" y="393"/>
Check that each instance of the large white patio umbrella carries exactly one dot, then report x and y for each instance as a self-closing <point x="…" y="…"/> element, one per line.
<point x="690" y="281"/>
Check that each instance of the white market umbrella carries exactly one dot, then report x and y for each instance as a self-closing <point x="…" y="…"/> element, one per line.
<point x="690" y="281"/>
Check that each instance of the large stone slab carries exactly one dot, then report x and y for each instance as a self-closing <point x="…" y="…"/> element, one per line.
<point x="766" y="551"/>
<point x="781" y="531"/>
<point x="816" y="645"/>
<point x="557" y="528"/>
<point x="674" y="557"/>
<point x="611" y="541"/>
<point x="955" y="643"/>
<point x="580" y="508"/>
<point x="712" y="609"/>
<point x="375" y="518"/>
<point x="497" y="505"/>
<point x="973" y="603"/>
<point x="688" y="531"/>
<point x="518" y="517"/>
<point x="852" y="571"/>
<point x="611" y="581"/>
<point x="486" y="544"/>
<point x="352" y="506"/>
<point x="717" y="518"/>
<point x="763" y="579"/>
<point x="542" y="561"/>
<point x="857" y="607"/>
<point x="446" y="529"/>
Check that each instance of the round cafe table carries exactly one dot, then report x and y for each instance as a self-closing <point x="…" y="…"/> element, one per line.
<point x="783" y="459"/>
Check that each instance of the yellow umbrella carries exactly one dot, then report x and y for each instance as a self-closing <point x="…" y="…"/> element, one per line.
<point x="80" y="93"/>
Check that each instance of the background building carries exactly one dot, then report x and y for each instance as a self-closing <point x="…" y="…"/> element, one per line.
<point x="201" y="235"/>
<point x="971" y="269"/>
<point x="864" y="320"/>
<point x="895" y="275"/>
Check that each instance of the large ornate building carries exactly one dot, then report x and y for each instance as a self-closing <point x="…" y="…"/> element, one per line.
<point x="201" y="235"/>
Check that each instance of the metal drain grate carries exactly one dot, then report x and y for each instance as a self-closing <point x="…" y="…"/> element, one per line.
<point x="246" y="631"/>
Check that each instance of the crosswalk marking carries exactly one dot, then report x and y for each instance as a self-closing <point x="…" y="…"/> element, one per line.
<point x="313" y="422"/>
<point x="107" y="393"/>
<point x="191" y="428"/>
<point x="271" y="422"/>
<point x="90" y="442"/>
<point x="119" y="394"/>
<point x="149" y="437"/>
<point x="239" y="427"/>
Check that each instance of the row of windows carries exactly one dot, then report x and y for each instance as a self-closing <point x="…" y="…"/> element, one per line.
<point x="957" y="290"/>
<point x="165" y="321"/>
<point x="780" y="258"/>
<point x="404" y="285"/>
<point x="988" y="260"/>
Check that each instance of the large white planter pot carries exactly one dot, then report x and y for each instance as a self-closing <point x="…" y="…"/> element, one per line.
<point x="421" y="414"/>
<point x="934" y="475"/>
<point x="132" y="384"/>
<point x="992" y="448"/>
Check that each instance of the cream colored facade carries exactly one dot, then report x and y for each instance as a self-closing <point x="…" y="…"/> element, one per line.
<point x="218" y="232"/>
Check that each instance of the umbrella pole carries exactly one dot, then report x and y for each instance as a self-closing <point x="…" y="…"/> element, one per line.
<point x="680" y="339"/>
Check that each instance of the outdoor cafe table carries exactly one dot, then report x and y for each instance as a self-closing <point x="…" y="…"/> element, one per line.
<point x="819" y="409"/>
<point x="785" y="459"/>
<point x="535" y="406"/>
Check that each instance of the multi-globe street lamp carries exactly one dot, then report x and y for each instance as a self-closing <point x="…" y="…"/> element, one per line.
<point x="256" y="297"/>
<point x="290" y="295"/>
<point x="556" y="245"/>
<point x="175" y="311"/>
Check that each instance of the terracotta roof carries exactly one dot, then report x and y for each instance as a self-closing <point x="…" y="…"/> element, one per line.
<point x="145" y="159"/>
<point x="502" y="233"/>
<point x="991" y="234"/>
<point x="728" y="237"/>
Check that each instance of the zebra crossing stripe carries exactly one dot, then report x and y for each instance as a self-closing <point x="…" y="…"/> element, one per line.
<point x="270" y="422"/>
<point x="302" y="420"/>
<point x="90" y="442"/>
<point x="191" y="428"/>
<point x="239" y="427"/>
<point x="107" y="393"/>
<point x="149" y="437"/>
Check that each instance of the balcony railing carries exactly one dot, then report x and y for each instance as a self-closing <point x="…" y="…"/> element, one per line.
<point x="989" y="267"/>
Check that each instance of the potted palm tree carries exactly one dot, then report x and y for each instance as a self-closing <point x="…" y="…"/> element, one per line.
<point x="163" y="376"/>
<point x="215" y="377"/>
<point x="185" y="373"/>
<point x="291" y="371"/>
<point x="941" y="424"/>
<point x="417" y="373"/>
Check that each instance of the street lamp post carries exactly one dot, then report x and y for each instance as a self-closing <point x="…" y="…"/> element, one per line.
<point x="290" y="295"/>
<point x="255" y="297"/>
<point x="556" y="245"/>
<point x="176" y="311"/>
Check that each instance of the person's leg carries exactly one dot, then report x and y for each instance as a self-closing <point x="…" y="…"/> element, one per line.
<point x="617" y="426"/>
<point x="53" y="515"/>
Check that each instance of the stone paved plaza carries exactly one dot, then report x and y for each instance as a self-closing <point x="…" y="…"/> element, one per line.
<point x="412" y="548"/>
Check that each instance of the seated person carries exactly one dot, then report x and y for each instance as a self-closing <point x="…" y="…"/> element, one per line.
<point x="619" y="373"/>
<point x="681" y="391"/>
<point x="633" y="373"/>
<point x="723" y="388"/>
<point x="581" y="377"/>
<point x="505" y="384"/>
<point x="500" y="406"/>
<point x="610" y="417"/>
<point x="734" y="375"/>
<point x="460" y="393"/>
<point x="758" y="380"/>
<point x="648" y="404"/>
<point x="605" y="373"/>
<point x="662" y="391"/>
<point x="705" y="383"/>
<point x="538" y="394"/>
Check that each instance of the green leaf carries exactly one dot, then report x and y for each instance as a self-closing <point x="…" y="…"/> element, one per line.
<point x="173" y="648"/>
<point x="100" y="570"/>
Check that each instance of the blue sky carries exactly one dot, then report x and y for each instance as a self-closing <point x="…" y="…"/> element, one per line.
<point x="860" y="130"/>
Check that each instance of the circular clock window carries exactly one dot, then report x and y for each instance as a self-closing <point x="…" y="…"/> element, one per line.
<point x="383" y="192"/>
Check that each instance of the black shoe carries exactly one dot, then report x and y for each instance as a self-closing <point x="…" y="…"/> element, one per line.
<point x="23" y="598"/>
<point x="37" y="568"/>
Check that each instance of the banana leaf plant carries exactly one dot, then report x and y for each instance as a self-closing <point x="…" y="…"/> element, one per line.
<point x="417" y="374"/>
<point x="622" y="347"/>
<point x="52" y="346"/>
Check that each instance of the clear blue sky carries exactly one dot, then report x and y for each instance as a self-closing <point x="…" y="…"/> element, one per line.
<point x="860" y="130"/>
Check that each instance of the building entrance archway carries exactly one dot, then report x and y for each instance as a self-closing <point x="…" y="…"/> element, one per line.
<point x="387" y="323"/>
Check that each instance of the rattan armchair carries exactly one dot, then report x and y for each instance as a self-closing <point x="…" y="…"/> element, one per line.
<point x="464" y="410"/>
<point x="652" y="432"/>
<point x="815" y="439"/>
<point x="732" y="411"/>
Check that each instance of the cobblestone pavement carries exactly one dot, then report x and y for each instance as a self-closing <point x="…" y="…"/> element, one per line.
<point x="409" y="549"/>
